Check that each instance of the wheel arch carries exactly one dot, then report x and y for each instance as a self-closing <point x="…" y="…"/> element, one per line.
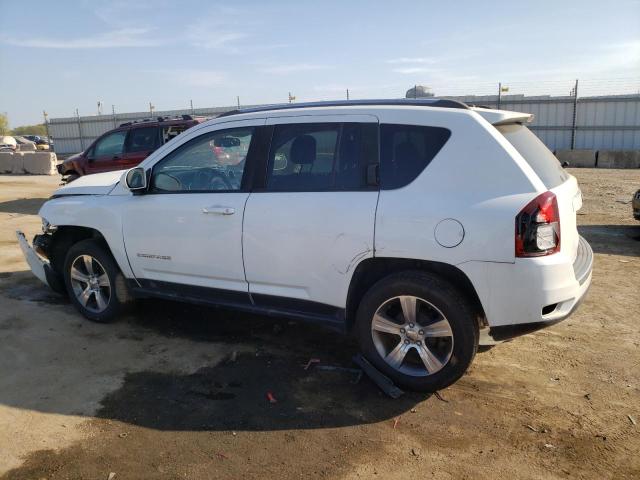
<point x="67" y="235"/>
<point x="371" y="270"/>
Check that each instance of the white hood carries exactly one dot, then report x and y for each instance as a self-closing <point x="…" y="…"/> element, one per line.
<point x="96" y="184"/>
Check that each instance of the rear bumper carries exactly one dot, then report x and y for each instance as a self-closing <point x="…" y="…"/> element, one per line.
<point x="39" y="267"/>
<point x="531" y="293"/>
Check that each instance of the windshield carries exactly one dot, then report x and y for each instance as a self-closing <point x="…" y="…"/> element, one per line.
<point x="537" y="155"/>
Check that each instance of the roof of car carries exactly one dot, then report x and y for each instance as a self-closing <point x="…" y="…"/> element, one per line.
<point x="415" y="102"/>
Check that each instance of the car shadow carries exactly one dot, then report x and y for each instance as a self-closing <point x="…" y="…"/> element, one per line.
<point x="24" y="206"/>
<point x="260" y="384"/>
<point x="268" y="388"/>
<point x="613" y="239"/>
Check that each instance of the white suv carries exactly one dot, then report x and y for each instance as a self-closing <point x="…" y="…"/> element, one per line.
<point x="424" y="227"/>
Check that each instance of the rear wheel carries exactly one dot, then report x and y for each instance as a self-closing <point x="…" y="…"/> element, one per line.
<point x="418" y="330"/>
<point x="94" y="282"/>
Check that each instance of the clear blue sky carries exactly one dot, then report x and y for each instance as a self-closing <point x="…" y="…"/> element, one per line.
<point x="59" y="55"/>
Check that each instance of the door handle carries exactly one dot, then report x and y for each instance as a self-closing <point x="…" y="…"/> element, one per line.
<point x="218" y="210"/>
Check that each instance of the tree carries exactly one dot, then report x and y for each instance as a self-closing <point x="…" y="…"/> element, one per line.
<point x="39" y="130"/>
<point x="4" y="124"/>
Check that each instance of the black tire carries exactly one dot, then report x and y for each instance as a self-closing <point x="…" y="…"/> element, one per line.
<point x="457" y="310"/>
<point x="118" y="296"/>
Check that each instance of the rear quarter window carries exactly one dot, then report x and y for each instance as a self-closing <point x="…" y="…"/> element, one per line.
<point x="536" y="153"/>
<point x="406" y="150"/>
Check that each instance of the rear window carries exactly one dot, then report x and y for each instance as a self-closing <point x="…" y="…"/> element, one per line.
<point x="537" y="155"/>
<point x="406" y="150"/>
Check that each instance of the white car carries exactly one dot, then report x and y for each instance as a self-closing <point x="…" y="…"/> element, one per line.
<point x="423" y="227"/>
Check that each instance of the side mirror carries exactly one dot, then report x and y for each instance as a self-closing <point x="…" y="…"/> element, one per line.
<point x="136" y="179"/>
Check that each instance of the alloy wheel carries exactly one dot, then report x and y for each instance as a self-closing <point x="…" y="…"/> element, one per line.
<point x="90" y="283"/>
<point x="412" y="335"/>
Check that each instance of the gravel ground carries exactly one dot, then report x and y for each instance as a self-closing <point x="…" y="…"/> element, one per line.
<point x="176" y="391"/>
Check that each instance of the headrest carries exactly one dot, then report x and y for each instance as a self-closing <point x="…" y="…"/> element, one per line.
<point x="303" y="150"/>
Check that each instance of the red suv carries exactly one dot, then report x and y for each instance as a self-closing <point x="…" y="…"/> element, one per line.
<point x="126" y="146"/>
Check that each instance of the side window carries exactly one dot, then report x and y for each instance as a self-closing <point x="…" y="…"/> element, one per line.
<point x="171" y="132"/>
<point x="110" y="146"/>
<point x="406" y="150"/>
<point x="212" y="162"/>
<point x="142" y="139"/>
<point x="321" y="156"/>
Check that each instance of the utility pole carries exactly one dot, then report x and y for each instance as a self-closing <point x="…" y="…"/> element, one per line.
<point x="192" y="110"/>
<point x="151" y="109"/>
<point x="500" y="90"/>
<point x="347" y="94"/>
<point x="415" y="91"/>
<point x="46" y="123"/>
<point x="291" y="97"/>
<point x="113" y="114"/>
<point x="79" y="130"/>
<point x="238" y="99"/>
<point x="575" y="115"/>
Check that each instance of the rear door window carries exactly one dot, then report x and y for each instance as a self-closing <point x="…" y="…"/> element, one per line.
<point x="321" y="156"/>
<point x="406" y="150"/>
<point x="536" y="153"/>
<point x="143" y="139"/>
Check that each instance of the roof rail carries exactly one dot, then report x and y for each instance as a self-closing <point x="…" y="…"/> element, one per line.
<point x="165" y="118"/>
<point x="415" y="102"/>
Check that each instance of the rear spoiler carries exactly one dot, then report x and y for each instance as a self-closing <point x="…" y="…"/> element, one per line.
<point x="503" y="117"/>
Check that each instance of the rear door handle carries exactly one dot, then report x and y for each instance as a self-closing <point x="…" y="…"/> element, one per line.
<point x="219" y="210"/>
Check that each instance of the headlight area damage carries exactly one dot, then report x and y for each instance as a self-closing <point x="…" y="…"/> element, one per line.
<point x="38" y="260"/>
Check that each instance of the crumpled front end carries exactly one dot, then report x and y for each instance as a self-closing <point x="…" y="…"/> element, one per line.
<point x="37" y="258"/>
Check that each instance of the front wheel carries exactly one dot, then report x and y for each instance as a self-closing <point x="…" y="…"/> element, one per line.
<point x="94" y="282"/>
<point x="418" y="330"/>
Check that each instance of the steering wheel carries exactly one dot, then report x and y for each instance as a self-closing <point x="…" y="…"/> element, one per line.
<point x="219" y="181"/>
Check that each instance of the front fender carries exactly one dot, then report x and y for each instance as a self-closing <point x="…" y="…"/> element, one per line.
<point x="99" y="212"/>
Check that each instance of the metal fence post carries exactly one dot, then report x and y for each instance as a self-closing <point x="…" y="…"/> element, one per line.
<point x="46" y="124"/>
<point x="575" y="116"/>
<point x="80" y="130"/>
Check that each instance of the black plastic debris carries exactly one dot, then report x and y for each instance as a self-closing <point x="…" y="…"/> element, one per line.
<point x="383" y="382"/>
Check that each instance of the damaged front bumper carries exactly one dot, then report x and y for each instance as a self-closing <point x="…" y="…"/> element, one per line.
<point x="40" y="267"/>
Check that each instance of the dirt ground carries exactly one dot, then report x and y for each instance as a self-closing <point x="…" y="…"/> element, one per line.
<point x="175" y="391"/>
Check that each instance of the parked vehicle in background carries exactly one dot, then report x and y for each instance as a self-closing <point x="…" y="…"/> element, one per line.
<point x="126" y="146"/>
<point x="8" y="143"/>
<point x="424" y="227"/>
<point x="24" y="143"/>
<point x="635" y="204"/>
<point x="41" y="142"/>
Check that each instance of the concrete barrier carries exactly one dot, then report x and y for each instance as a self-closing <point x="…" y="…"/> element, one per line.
<point x="619" y="159"/>
<point x="17" y="163"/>
<point x="6" y="162"/>
<point x="578" y="158"/>
<point x="40" y="163"/>
<point x="36" y="163"/>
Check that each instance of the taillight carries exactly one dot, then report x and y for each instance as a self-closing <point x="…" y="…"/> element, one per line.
<point x="538" y="227"/>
